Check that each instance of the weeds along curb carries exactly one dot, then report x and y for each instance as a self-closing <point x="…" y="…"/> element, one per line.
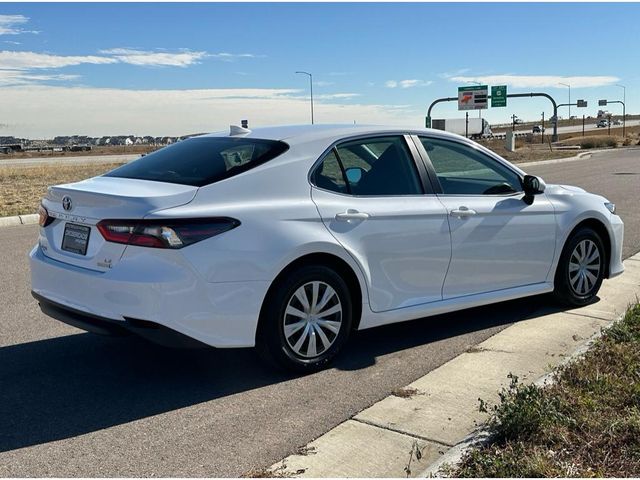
<point x="481" y="437"/>
<point x="19" y="220"/>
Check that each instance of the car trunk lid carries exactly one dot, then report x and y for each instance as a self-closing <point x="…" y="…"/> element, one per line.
<point x="73" y="237"/>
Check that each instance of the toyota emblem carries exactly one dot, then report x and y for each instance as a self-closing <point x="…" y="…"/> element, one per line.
<point x="66" y="203"/>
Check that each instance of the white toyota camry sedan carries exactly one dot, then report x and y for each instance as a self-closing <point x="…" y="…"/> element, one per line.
<point x="289" y="238"/>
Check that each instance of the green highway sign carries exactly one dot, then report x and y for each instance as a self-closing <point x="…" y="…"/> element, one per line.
<point x="473" y="98"/>
<point x="499" y="96"/>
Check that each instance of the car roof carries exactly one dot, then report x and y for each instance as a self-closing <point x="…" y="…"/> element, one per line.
<point x="293" y="134"/>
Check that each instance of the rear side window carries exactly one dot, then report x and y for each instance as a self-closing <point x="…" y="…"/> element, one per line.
<point x="370" y="167"/>
<point x="202" y="160"/>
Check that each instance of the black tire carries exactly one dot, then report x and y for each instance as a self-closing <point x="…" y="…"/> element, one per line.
<point x="567" y="289"/>
<point x="275" y="347"/>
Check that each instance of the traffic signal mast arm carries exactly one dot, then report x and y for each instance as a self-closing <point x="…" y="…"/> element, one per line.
<point x="509" y="95"/>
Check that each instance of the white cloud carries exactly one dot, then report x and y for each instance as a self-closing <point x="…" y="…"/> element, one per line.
<point x="407" y="83"/>
<point x="182" y="58"/>
<point x="9" y="24"/>
<point x="230" y="57"/>
<point x="539" y="81"/>
<point x="458" y="72"/>
<point x="336" y="96"/>
<point x="35" y="110"/>
<point x="20" y="77"/>
<point x="322" y="83"/>
<point x="32" y="60"/>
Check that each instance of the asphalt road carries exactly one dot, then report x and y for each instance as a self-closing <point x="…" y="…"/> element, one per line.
<point x="76" y="404"/>
<point x="576" y="127"/>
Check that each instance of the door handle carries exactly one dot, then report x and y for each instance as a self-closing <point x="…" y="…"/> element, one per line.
<point x="351" y="214"/>
<point x="462" y="212"/>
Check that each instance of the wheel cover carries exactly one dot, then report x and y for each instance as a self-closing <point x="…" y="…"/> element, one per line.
<point x="312" y="319"/>
<point x="584" y="267"/>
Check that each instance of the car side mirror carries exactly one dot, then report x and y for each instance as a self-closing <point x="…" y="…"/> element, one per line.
<point x="354" y="175"/>
<point x="532" y="185"/>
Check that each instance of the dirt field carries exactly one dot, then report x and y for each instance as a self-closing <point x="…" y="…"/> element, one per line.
<point x="114" y="150"/>
<point x="23" y="187"/>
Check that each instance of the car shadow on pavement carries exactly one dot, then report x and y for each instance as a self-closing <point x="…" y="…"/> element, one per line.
<point x="369" y="344"/>
<point x="67" y="386"/>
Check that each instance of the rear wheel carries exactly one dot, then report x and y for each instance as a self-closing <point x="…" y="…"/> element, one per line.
<point x="306" y="321"/>
<point x="581" y="268"/>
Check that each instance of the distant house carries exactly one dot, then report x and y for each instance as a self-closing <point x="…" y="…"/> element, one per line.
<point x="129" y="141"/>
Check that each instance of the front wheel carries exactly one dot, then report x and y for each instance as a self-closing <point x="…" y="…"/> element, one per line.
<point x="581" y="268"/>
<point x="306" y="320"/>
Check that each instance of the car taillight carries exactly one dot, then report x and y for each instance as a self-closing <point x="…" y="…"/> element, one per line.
<point x="164" y="233"/>
<point x="43" y="216"/>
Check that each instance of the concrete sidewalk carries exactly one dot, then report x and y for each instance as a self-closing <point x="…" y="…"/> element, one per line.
<point x="441" y="410"/>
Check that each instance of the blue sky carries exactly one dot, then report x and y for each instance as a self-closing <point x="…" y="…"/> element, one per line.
<point x="175" y="68"/>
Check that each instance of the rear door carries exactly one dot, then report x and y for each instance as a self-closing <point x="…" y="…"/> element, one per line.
<point x="498" y="240"/>
<point x="375" y="200"/>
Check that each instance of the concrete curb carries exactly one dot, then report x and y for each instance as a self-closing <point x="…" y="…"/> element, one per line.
<point x="441" y="417"/>
<point x="19" y="220"/>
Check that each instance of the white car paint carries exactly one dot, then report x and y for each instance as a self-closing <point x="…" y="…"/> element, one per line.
<point x="411" y="257"/>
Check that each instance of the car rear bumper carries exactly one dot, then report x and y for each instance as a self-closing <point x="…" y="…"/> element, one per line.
<point x="142" y="291"/>
<point x="105" y="326"/>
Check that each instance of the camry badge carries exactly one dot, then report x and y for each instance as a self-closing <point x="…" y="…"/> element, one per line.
<point x="66" y="203"/>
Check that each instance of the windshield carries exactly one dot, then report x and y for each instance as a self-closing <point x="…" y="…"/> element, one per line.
<point x="201" y="161"/>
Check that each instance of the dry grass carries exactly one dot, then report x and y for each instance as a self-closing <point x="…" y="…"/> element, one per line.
<point x="23" y="187"/>
<point x="525" y="152"/>
<point x="587" y="424"/>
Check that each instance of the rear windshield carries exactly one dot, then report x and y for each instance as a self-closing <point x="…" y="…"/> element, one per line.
<point x="202" y="160"/>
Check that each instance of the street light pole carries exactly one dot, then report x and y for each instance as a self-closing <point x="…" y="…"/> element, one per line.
<point x="567" y="85"/>
<point x="311" y="89"/>
<point x="624" y="108"/>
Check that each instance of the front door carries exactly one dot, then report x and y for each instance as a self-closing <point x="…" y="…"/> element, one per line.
<point x="498" y="240"/>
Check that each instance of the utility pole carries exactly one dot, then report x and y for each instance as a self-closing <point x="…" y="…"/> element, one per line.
<point x="583" y="124"/>
<point x="311" y="88"/>
<point x="567" y="85"/>
<point x="466" y="125"/>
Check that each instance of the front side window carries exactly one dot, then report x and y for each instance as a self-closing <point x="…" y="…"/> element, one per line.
<point x="370" y="167"/>
<point x="201" y="161"/>
<point x="463" y="170"/>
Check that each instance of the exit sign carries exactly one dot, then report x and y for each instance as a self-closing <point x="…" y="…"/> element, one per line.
<point x="499" y="96"/>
